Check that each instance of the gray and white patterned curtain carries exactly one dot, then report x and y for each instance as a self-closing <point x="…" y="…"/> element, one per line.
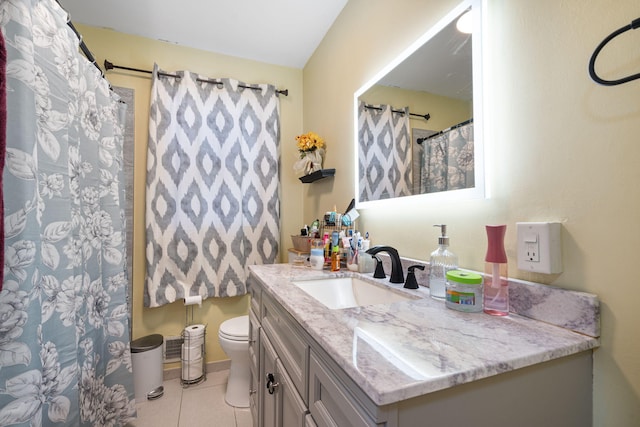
<point x="64" y="323"/>
<point x="212" y="186"/>
<point x="384" y="152"/>
<point x="448" y="161"/>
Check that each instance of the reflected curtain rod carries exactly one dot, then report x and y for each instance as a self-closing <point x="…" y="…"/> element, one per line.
<point x="424" y="116"/>
<point x="110" y="66"/>
<point x="466" y="122"/>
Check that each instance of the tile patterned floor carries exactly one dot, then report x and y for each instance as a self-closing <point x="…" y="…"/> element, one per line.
<point x="198" y="405"/>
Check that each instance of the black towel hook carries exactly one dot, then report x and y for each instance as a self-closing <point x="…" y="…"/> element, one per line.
<point x="592" y="72"/>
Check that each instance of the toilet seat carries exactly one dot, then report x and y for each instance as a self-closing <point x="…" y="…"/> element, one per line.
<point x="236" y="329"/>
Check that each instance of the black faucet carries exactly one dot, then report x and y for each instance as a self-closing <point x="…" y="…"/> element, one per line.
<point x="397" y="275"/>
<point x="411" y="282"/>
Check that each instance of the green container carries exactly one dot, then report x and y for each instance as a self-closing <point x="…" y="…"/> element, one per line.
<point x="464" y="291"/>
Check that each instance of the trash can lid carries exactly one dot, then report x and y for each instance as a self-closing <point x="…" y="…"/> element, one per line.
<point x="146" y="343"/>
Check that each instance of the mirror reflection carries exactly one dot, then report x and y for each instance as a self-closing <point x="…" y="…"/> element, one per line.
<point x="415" y="123"/>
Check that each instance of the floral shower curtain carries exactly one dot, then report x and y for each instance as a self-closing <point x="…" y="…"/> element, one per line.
<point x="384" y="152"/>
<point x="447" y="162"/>
<point x="212" y="186"/>
<point x="64" y="336"/>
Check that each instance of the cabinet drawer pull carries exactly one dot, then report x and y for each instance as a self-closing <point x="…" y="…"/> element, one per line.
<point x="272" y="385"/>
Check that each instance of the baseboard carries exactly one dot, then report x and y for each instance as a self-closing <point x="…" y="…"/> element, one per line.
<point x="221" y="365"/>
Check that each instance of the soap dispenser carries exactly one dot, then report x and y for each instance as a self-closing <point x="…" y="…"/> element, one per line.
<point x="441" y="261"/>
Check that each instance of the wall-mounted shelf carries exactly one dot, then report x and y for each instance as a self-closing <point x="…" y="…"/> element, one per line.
<point x="314" y="176"/>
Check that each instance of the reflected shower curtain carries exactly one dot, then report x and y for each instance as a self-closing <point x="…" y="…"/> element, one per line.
<point x="64" y="325"/>
<point x="212" y="186"/>
<point x="448" y="161"/>
<point x="384" y="146"/>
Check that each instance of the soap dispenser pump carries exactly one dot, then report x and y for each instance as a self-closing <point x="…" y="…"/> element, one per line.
<point x="441" y="261"/>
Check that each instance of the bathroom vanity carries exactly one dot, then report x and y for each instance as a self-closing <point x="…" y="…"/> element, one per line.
<point x="404" y="359"/>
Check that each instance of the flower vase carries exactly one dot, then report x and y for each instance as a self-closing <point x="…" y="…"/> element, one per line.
<point x="310" y="161"/>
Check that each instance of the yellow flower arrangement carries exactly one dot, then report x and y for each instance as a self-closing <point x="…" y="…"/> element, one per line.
<point x="311" y="148"/>
<point x="308" y="142"/>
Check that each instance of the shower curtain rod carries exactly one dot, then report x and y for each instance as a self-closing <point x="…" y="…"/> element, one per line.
<point x="110" y="66"/>
<point x="424" y="116"/>
<point x="83" y="46"/>
<point x="466" y="122"/>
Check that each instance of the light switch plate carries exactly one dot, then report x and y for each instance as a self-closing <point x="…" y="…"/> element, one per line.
<point x="539" y="247"/>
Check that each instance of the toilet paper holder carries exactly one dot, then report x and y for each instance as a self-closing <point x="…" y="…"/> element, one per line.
<point x="193" y="356"/>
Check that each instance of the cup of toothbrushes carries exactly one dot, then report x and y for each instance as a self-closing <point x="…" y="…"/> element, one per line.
<point x="463" y="291"/>
<point x="352" y="259"/>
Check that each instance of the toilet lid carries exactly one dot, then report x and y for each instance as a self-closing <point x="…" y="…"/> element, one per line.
<point x="236" y="328"/>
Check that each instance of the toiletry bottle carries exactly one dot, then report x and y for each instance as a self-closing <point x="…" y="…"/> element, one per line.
<point x="316" y="258"/>
<point x="441" y="261"/>
<point x="327" y="247"/>
<point x="315" y="229"/>
<point x="496" y="284"/>
<point x="335" y="259"/>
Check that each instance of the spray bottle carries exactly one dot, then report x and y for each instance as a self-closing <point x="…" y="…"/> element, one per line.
<point x="496" y="284"/>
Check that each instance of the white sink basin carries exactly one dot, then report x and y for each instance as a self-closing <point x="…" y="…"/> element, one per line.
<point x="344" y="292"/>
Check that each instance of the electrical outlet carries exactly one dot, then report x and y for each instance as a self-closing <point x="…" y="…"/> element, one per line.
<point x="539" y="247"/>
<point x="531" y="246"/>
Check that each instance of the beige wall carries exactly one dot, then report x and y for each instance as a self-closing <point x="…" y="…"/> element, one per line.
<point x="562" y="149"/>
<point x="139" y="52"/>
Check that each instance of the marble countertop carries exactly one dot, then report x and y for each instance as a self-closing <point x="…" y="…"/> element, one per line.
<point x="406" y="349"/>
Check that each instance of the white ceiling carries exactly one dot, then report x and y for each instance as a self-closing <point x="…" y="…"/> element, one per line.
<point x="281" y="32"/>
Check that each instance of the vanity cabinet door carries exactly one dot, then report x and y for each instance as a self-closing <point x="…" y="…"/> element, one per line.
<point x="254" y="401"/>
<point x="255" y="383"/>
<point x="254" y="341"/>
<point x="281" y="404"/>
<point x="292" y="349"/>
<point x="267" y="401"/>
<point x="291" y="409"/>
<point x="308" y="421"/>
<point x="256" y="292"/>
<point x="330" y="402"/>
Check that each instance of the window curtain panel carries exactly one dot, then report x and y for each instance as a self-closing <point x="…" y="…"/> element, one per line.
<point x="64" y="325"/>
<point x="212" y="186"/>
<point x="384" y="157"/>
<point x="448" y="161"/>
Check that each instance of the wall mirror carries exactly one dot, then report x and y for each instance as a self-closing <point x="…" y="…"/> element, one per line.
<point x="418" y="122"/>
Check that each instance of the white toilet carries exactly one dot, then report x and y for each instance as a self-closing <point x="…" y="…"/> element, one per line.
<point x="234" y="340"/>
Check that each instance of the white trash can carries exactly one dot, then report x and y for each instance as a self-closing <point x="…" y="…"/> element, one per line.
<point x="146" y="357"/>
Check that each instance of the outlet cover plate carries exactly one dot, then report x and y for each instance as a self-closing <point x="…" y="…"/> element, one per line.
<point x="539" y="247"/>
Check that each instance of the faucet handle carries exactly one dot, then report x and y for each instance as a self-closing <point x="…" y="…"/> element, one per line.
<point x="379" y="273"/>
<point x="411" y="282"/>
